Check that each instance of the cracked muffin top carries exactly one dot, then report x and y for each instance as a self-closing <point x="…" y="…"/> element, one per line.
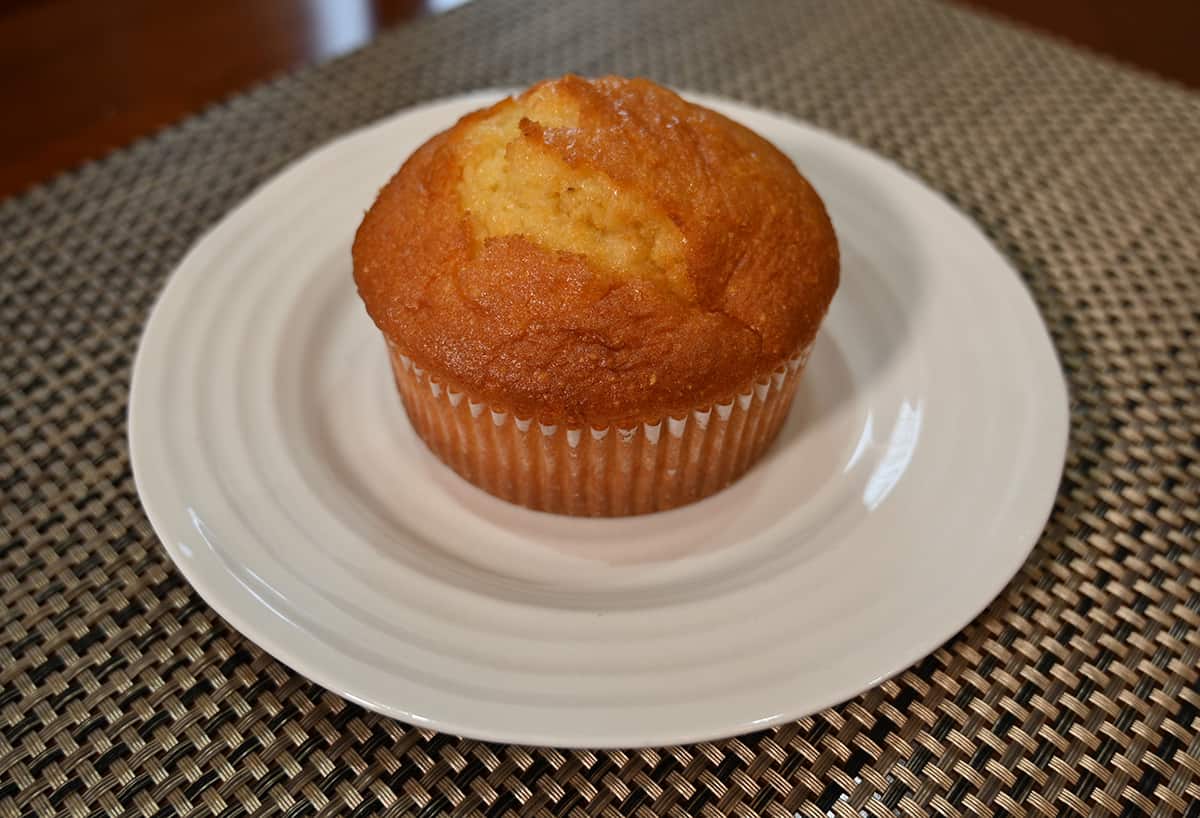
<point x="597" y="252"/>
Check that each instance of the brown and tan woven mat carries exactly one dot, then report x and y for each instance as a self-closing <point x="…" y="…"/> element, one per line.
<point x="1076" y="692"/>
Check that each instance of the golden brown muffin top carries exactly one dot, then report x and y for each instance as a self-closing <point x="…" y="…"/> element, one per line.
<point x="596" y="252"/>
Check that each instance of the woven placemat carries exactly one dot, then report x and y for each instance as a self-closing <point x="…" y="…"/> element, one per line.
<point x="1076" y="692"/>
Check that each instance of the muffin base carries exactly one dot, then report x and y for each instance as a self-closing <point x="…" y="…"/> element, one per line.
<point x="607" y="472"/>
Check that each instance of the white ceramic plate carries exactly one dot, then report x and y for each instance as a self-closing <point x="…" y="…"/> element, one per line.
<point x="276" y="464"/>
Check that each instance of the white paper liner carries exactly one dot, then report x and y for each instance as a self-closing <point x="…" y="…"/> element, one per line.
<point x="602" y="472"/>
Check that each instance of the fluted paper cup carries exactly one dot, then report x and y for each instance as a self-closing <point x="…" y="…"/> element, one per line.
<point x="605" y="472"/>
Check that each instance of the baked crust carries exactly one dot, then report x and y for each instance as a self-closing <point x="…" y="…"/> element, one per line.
<point x="497" y="260"/>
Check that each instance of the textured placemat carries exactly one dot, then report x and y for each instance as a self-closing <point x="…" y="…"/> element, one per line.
<point x="1076" y="692"/>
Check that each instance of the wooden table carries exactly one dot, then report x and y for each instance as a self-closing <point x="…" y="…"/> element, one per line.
<point x="79" y="78"/>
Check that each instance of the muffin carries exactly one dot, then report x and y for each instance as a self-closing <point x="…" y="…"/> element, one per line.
<point x="598" y="298"/>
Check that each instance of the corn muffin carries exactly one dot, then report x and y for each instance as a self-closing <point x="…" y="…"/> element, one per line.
<point x="598" y="297"/>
